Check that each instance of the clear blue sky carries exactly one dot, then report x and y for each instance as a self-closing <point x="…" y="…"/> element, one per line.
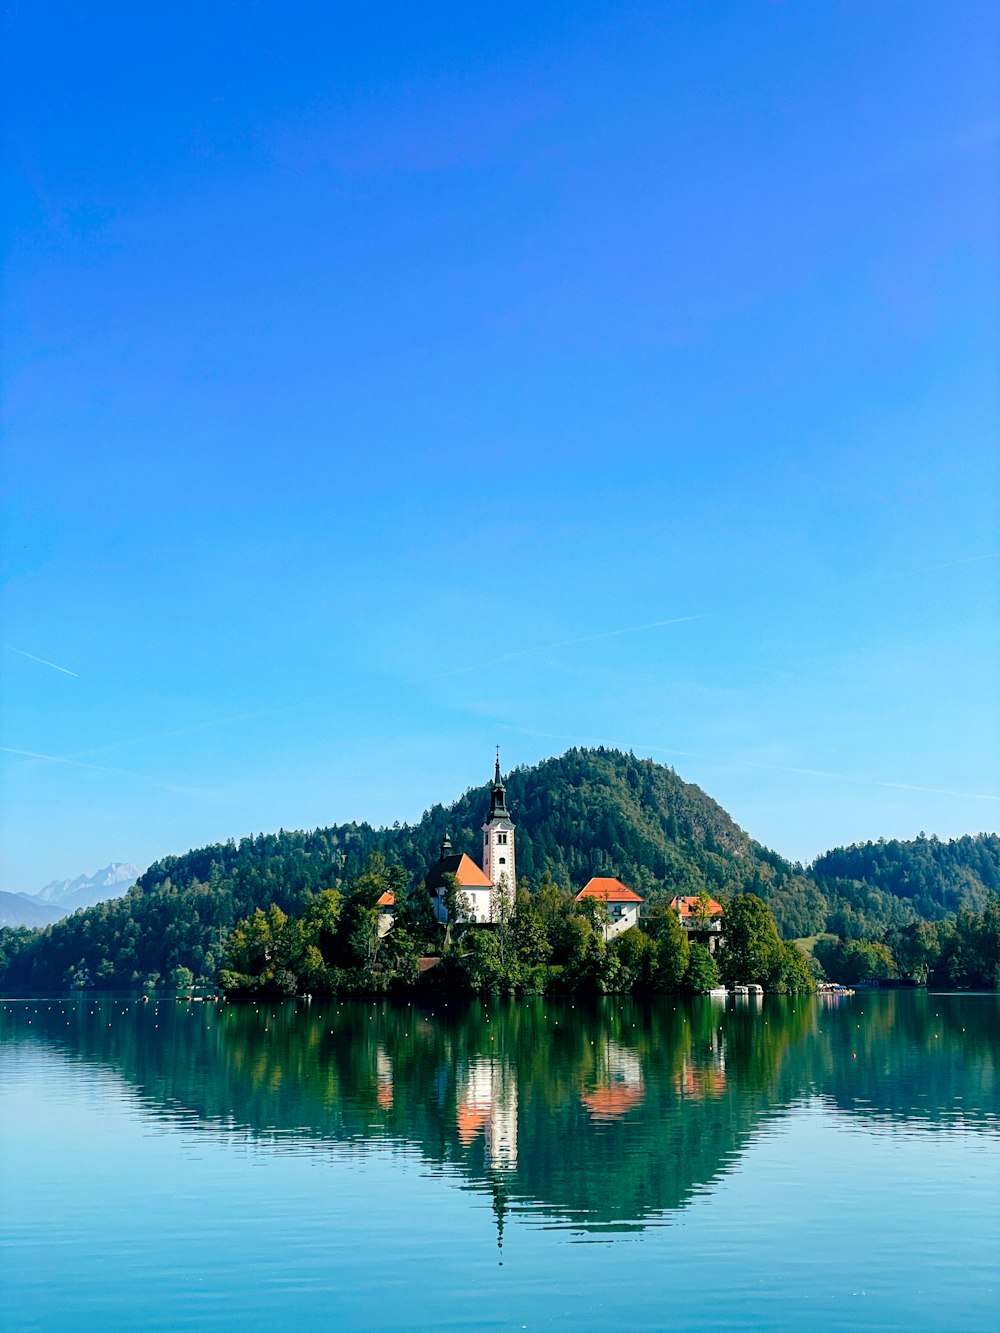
<point x="378" y="378"/>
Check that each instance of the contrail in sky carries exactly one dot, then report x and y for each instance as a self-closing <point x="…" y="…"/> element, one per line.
<point x="950" y="564"/>
<point x="101" y="768"/>
<point x="54" y="665"/>
<point x="871" y="782"/>
<point x="773" y="768"/>
<point x="583" y="638"/>
<point x="341" y="694"/>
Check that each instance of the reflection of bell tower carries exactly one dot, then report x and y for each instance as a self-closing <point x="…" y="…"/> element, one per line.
<point x="500" y="1210"/>
<point x="498" y="842"/>
<point x="488" y="1106"/>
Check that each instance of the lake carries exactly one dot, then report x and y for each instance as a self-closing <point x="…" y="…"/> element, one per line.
<point x="701" y="1164"/>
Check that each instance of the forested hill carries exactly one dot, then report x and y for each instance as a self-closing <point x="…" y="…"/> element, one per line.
<point x="923" y="877"/>
<point x="588" y="812"/>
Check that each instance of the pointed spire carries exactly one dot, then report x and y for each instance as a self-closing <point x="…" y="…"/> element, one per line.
<point x="498" y="792"/>
<point x="445" y="846"/>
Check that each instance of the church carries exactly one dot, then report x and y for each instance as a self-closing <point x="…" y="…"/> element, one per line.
<point x="482" y="891"/>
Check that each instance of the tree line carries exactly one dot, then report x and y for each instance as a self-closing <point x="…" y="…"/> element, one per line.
<point x="543" y="942"/>
<point x="962" y="953"/>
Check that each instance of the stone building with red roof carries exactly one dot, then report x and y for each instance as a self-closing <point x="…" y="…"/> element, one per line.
<point x="386" y="905"/>
<point x="623" y="903"/>
<point x="701" y="917"/>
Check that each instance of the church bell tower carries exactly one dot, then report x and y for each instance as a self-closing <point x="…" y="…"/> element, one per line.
<point x="498" y="844"/>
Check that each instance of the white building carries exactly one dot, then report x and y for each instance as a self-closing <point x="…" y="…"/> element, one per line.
<point x="483" y="893"/>
<point x="622" y="903"/>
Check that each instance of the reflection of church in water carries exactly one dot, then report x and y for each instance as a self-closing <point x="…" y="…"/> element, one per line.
<point x="487" y="1105"/>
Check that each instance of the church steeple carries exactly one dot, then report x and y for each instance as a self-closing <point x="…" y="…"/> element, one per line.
<point x="498" y="793"/>
<point x="498" y="847"/>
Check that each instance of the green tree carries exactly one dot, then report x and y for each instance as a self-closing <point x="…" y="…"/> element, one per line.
<point x="672" y="946"/>
<point x="636" y="955"/>
<point x="596" y="912"/>
<point x="702" y="971"/>
<point x="795" y="974"/>
<point x="850" y="961"/>
<point x="701" y="912"/>
<point x="751" y="949"/>
<point x="916" y="948"/>
<point x="530" y="935"/>
<point x="480" y="965"/>
<point x="592" y="968"/>
<point x="457" y="906"/>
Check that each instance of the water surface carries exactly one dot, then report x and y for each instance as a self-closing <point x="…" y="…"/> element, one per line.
<point x="670" y="1164"/>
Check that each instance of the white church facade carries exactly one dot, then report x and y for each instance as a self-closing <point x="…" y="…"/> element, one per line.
<point x="484" y="893"/>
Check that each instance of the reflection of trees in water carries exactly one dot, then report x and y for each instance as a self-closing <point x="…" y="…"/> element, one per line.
<point x="913" y="1057"/>
<point x="608" y="1111"/>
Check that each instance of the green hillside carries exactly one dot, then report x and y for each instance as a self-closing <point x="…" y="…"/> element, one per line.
<point x="587" y="812"/>
<point x="923" y="877"/>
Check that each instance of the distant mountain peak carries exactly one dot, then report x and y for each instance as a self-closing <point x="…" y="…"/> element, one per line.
<point x="111" y="881"/>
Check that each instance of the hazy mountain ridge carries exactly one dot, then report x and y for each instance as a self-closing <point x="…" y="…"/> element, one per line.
<point x="86" y="890"/>
<point x="63" y="896"/>
<point x="18" y="909"/>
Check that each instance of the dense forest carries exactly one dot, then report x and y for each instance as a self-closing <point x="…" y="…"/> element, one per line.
<point x="587" y="812"/>
<point x="930" y="878"/>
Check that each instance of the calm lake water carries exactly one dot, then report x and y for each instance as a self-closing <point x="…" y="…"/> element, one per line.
<point x="665" y="1165"/>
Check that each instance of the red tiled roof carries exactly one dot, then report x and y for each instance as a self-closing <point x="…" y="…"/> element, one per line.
<point x="470" y="876"/>
<point x="388" y="899"/>
<point x="465" y="870"/>
<point x="609" y="891"/>
<point x="689" y="906"/>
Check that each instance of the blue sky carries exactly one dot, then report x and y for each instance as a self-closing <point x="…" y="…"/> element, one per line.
<point x="380" y="381"/>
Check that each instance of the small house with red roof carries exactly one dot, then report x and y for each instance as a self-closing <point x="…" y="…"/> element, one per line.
<point x="701" y="916"/>
<point x="623" y="903"/>
<point x="386" y="911"/>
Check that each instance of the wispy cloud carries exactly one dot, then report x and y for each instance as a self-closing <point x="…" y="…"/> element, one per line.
<point x="739" y="762"/>
<point x="572" y="643"/>
<point x="193" y="728"/>
<point x="868" y="782"/>
<point x="311" y="700"/>
<point x="941" y="791"/>
<point x="102" y="768"/>
<point x="42" y="661"/>
<point x="952" y="564"/>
